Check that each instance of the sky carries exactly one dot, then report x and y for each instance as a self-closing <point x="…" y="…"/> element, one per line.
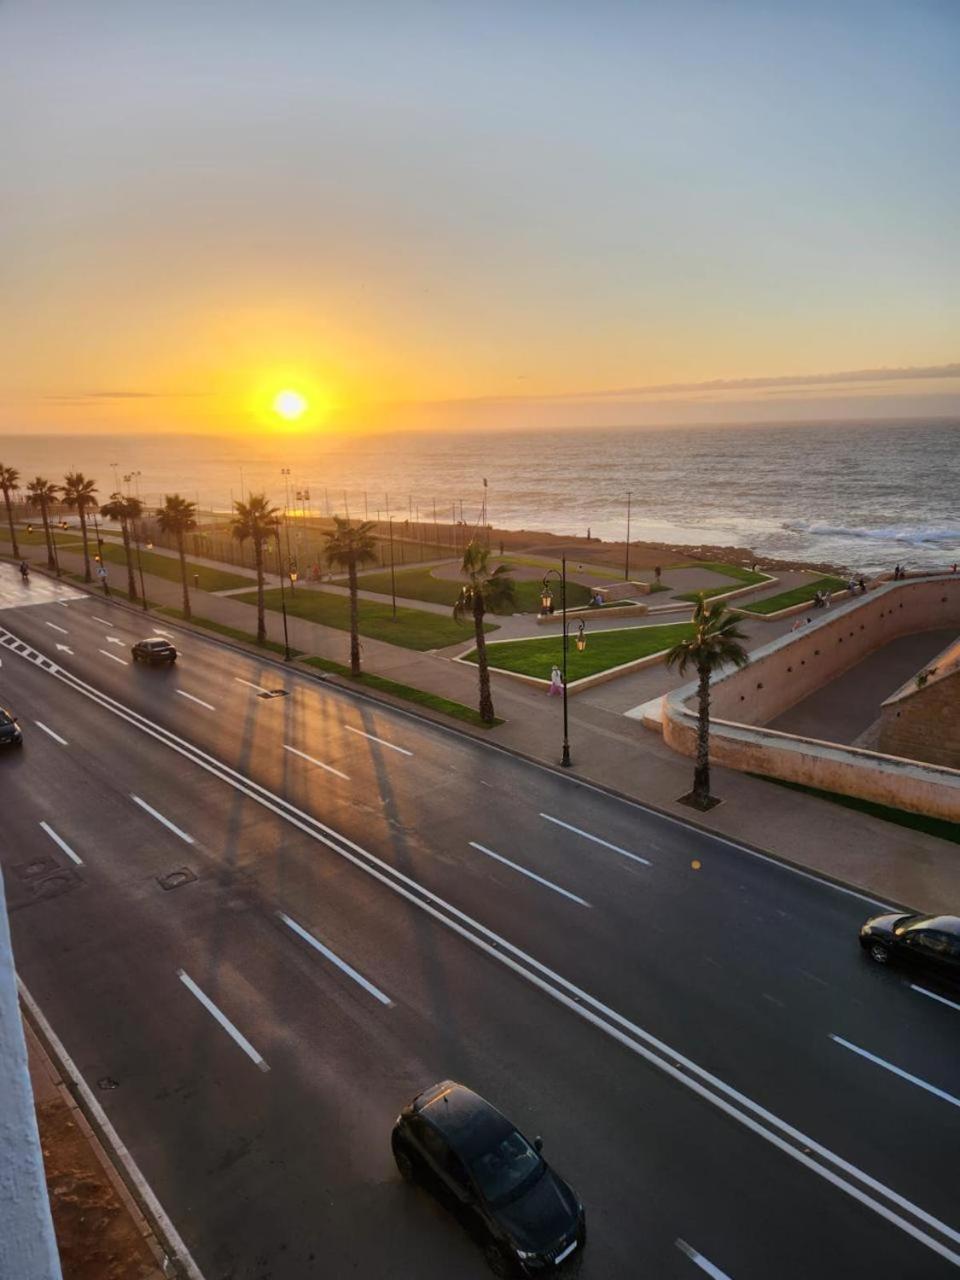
<point x="514" y="213"/>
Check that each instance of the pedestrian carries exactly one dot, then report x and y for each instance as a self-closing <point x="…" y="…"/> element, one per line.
<point x="501" y="546"/>
<point x="862" y="584"/>
<point x="556" y="682"/>
<point x="896" y="572"/>
<point x="588" y="533"/>
<point x="656" y="574"/>
<point x="196" y="581"/>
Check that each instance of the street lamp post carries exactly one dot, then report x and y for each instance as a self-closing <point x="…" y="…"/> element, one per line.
<point x="283" y="601"/>
<point x="546" y="601"/>
<point x="393" y="576"/>
<point x="626" y="567"/>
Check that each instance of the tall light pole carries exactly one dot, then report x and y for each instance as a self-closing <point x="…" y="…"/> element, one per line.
<point x="626" y="567"/>
<point x="283" y="601"/>
<point x="546" y="602"/>
<point x="393" y="576"/>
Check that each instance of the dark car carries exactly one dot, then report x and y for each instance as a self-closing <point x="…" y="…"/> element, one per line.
<point x="483" y="1168"/>
<point x="927" y="943"/>
<point x="153" y="651"/>
<point x="10" y="735"/>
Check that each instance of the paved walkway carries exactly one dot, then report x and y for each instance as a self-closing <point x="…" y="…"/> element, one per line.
<point x="890" y="862"/>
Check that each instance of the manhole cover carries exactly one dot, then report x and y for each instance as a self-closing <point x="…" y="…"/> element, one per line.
<point x="273" y="693"/>
<point x="108" y="1082"/>
<point x="174" y="879"/>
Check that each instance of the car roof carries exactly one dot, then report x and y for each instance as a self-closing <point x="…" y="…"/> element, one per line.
<point x="946" y="924"/>
<point x="470" y="1124"/>
<point x="156" y="642"/>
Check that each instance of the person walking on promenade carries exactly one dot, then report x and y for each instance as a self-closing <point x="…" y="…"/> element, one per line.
<point x="862" y="584"/>
<point x="556" y="682"/>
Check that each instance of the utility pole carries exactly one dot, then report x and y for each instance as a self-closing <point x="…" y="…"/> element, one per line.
<point x="626" y="567"/>
<point x="393" y="576"/>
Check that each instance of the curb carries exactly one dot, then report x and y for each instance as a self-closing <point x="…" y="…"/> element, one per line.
<point x="176" y="1260"/>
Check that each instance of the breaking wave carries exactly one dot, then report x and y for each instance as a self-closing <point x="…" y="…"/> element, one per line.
<point x="915" y="535"/>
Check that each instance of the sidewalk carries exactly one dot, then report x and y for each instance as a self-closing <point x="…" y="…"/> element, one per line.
<point x="893" y="863"/>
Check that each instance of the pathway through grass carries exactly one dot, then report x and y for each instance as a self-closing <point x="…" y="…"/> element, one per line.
<point x="605" y="649"/>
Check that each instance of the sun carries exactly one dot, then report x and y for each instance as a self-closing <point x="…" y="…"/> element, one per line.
<point x="290" y="405"/>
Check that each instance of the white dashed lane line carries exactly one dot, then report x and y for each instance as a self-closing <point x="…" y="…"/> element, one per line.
<point x="699" y="1260"/>
<point x="58" y="840"/>
<point x="55" y="736"/>
<point x="63" y="630"/>
<point x="933" y="996"/>
<point x="524" y="872"/>
<point x="634" y="857"/>
<point x="107" y="654"/>
<point x="897" y="1071"/>
<point x="224" y="1021"/>
<point x="335" y="959"/>
<point x="373" y="738"/>
<point x="319" y="763"/>
<point x="183" y="694"/>
<point x="160" y="818"/>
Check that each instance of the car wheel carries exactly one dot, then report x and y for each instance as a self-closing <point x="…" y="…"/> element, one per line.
<point x="879" y="953"/>
<point x="497" y="1260"/>
<point x="405" y="1165"/>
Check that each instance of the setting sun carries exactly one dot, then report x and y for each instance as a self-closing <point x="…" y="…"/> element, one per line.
<point x="290" y="405"/>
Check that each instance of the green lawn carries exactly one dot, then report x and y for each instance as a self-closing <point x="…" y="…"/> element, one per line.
<point x="62" y="537"/>
<point x="420" y="584"/>
<point x="412" y="629"/>
<point x="744" y="576"/>
<point x="169" y="567"/>
<point x="605" y="649"/>
<point x="420" y="696"/>
<point x="799" y="595"/>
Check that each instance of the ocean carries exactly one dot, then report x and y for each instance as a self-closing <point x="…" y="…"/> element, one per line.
<point x="861" y="495"/>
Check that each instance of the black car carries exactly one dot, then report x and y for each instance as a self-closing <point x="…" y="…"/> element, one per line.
<point x="929" y="943"/>
<point x="10" y="735"/>
<point x="153" y="651"/>
<point x="474" y="1159"/>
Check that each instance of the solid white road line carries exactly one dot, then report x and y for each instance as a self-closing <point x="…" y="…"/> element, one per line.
<point x="523" y="871"/>
<point x="224" y="1021"/>
<point x="897" y="1071"/>
<point x="160" y="818"/>
<point x="106" y="622"/>
<point x="319" y="763"/>
<point x="596" y="840"/>
<point x="933" y="996"/>
<point x="703" y="1263"/>
<point x="183" y="694"/>
<point x="792" y="1142"/>
<point x="373" y="738"/>
<point x="55" y="736"/>
<point x="63" y="630"/>
<point x="61" y="842"/>
<point x="335" y="959"/>
<point x="250" y="685"/>
<point x="107" y="654"/>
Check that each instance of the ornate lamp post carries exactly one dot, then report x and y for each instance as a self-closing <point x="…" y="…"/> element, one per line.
<point x="546" y="606"/>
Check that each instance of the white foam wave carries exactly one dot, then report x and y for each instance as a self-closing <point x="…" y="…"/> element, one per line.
<point x="914" y="535"/>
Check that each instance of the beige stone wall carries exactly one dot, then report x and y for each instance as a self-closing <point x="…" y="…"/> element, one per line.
<point x="925" y="725"/>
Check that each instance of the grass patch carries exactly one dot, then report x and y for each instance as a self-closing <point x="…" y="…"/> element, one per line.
<point x="799" y="595"/>
<point x="420" y="584"/>
<point x="405" y="691"/>
<point x="412" y="629"/>
<point x="169" y="567"/>
<point x="736" y="571"/>
<point x="938" y="827"/>
<point x="605" y="649"/>
<point x="233" y="633"/>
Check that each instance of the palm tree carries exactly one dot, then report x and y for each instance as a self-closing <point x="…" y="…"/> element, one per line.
<point x="348" y="546"/>
<point x="125" y="509"/>
<point x="78" y="494"/>
<point x="484" y="590"/>
<point x="714" y="643"/>
<point x="10" y="479"/>
<point x="257" y="520"/>
<point x="177" y="516"/>
<point x="42" y="493"/>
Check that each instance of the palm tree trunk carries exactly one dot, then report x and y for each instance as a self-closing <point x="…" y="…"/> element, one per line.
<point x="183" y="577"/>
<point x="261" y="615"/>
<point x="483" y="670"/>
<point x="13" y="531"/>
<point x="81" y="511"/>
<point x="131" y="581"/>
<point x="51" y="559"/>
<point x="354" y="618"/>
<point x="701" y="772"/>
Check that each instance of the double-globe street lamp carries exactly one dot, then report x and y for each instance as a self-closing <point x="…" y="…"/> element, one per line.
<point x="546" y="606"/>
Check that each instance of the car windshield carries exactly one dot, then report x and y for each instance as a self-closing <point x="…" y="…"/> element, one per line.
<point x="911" y="923"/>
<point x="5" y="719"/>
<point x="507" y="1168"/>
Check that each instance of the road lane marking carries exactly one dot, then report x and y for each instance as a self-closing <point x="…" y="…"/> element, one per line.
<point x="115" y="640"/>
<point x="61" y="842"/>
<point x="65" y="647"/>
<point x="63" y="630"/>
<point x="335" y="959"/>
<point x="933" y="996"/>
<point x="523" y="871"/>
<point x="107" y="654"/>
<point x="790" y="1141"/>
<point x="897" y="1071"/>
<point x="596" y="839"/>
<point x="224" y="1021"/>
<point x="373" y="738"/>
<point x="319" y="763"/>
<point x="703" y="1263"/>
<point x="106" y="622"/>
<point x="160" y="818"/>
<point x="56" y="737"/>
<point x="183" y="694"/>
<point x="250" y="685"/>
<point x="163" y="633"/>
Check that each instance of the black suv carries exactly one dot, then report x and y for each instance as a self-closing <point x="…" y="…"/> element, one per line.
<point x="10" y="735"/>
<point x="926" y="943"/>
<point x="153" y="651"/>
<point x="483" y="1168"/>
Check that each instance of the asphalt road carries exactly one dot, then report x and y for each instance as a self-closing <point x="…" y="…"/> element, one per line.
<point x="691" y="1042"/>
